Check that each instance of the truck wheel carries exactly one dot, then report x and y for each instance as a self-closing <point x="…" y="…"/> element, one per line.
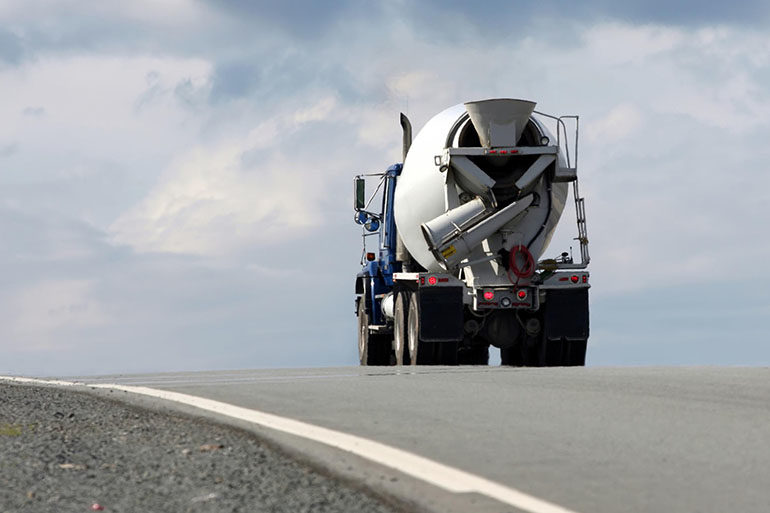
<point x="420" y="353"/>
<point x="400" y="328"/>
<point x="556" y="353"/>
<point x="446" y="353"/>
<point x="534" y="351"/>
<point x="576" y="354"/>
<point x="473" y="355"/>
<point x="512" y="355"/>
<point x="565" y="353"/>
<point x="372" y="349"/>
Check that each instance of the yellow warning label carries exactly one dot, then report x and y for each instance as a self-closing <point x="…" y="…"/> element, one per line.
<point x="449" y="251"/>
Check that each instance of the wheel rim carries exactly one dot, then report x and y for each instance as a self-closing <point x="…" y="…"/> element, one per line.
<point x="361" y="346"/>
<point x="413" y="339"/>
<point x="399" y="350"/>
<point x="363" y="331"/>
<point x="398" y="332"/>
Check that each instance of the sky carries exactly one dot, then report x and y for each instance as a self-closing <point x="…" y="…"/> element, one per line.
<point x="175" y="176"/>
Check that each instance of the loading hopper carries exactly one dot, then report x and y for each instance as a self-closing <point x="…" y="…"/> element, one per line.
<point x="500" y="122"/>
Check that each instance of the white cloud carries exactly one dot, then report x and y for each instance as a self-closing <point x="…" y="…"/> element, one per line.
<point x="619" y="123"/>
<point x="268" y="186"/>
<point x="90" y="108"/>
<point x="270" y="132"/>
<point x="415" y="84"/>
<point x="49" y="311"/>
<point x="160" y="14"/>
<point x="376" y="126"/>
<point x="206" y="204"/>
<point x="317" y="112"/>
<point x="737" y="103"/>
<point x="222" y="197"/>
<point x="613" y="44"/>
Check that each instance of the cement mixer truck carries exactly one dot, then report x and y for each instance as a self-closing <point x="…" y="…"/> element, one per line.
<point x="457" y="233"/>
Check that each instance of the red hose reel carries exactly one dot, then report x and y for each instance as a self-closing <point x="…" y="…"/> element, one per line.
<point x="518" y="253"/>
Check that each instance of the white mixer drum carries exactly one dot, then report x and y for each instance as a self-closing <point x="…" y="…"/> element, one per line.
<point x="424" y="191"/>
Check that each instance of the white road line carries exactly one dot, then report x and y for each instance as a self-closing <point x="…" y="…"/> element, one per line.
<point x="424" y="469"/>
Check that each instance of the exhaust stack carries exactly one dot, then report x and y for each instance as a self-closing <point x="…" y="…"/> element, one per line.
<point x="500" y="122"/>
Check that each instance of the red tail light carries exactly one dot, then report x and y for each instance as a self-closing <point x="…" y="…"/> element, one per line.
<point x="574" y="278"/>
<point x="432" y="280"/>
<point x="522" y="294"/>
<point x="489" y="295"/>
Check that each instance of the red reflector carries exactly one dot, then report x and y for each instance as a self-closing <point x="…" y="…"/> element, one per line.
<point x="432" y="281"/>
<point x="370" y="257"/>
<point x="503" y="152"/>
<point x="489" y="295"/>
<point x="522" y="294"/>
<point x="574" y="278"/>
<point x="492" y="151"/>
<point x="514" y="151"/>
<point x="564" y="278"/>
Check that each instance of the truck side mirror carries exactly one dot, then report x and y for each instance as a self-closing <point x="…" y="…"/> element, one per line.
<point x="359" y="190"/>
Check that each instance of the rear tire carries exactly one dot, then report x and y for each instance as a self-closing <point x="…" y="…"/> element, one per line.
<point x="512" y="356"/>
<point x="420" y="353"/>
<point x="576" y="354"/>
<point x="372" y="349"/>
<point x="565" y="353"/>
<point x="473" y="355"/>
<point x="400" y="328"/>
<point x="446" y="353"/>
<point x="555" y="353"/>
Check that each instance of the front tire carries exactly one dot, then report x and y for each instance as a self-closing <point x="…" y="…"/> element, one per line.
<point x="372" y="349"/>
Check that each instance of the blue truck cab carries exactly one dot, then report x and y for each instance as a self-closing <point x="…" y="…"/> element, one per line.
<point x="376" y="278"/>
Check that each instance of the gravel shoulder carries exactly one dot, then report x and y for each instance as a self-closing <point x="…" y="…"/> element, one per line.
<point x="68" y="451"/>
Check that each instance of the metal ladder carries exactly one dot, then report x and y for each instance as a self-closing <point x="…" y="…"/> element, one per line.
<point x="580" y="209"/>
<point x="580" y="212"/>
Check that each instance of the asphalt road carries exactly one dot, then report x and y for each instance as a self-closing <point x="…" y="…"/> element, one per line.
<point x="587" y="439"/>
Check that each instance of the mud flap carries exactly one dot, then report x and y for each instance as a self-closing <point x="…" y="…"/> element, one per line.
<point x="566" y="314"/>
<point x="441" y="314"/>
